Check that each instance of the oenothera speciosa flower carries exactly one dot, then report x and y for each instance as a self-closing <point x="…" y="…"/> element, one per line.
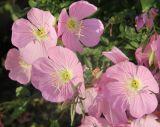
<point x="151" y="54"/>
<point x="84" y="105"/>
<point x="20" y="70"/>
<point x="96" y="104"/>
<point x="38" y="29"/>
<point x="146" y="19"/>
<point x="76" y="30"/>
<point x="19" y="62"/>
<point x="132" y="87"/>
<point x="58" y="77"/>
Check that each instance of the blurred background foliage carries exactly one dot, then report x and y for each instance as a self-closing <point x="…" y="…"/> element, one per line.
<point x="23" y="106"/>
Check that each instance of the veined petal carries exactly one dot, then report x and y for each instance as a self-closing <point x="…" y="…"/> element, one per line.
<point x="40" y="18"/>
<point x="81" y="9"/>
<point x="62" y="22"/>
<point x="71" y="41"/>
<point x="91" y="31"/>
<point x="142" y="104"/>
<point x="116" y="55"/>
<point x="22" y="33"/>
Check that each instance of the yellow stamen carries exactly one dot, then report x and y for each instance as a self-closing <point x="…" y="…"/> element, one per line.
<point x="40" y="33"/>
<point x="135" y="85"/>
<point x="24" y="64"/>
<point x="66" y="75"/>
<point x="72" y="24"/>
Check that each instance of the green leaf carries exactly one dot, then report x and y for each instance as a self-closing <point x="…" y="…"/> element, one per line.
<point x="32" y="3"/>
<point x="72" y="113"/>
<point x="22" y="91"/>
<point x="147" y="4"/>
<point x="54" y="123"/>
<point x="88" y="76"/>
<point x="87" y="62"/>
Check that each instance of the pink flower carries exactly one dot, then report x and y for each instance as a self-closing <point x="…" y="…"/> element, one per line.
<point x="153" y="12"/>
<point x="146" y="121"/>
<point x="38" y="29"/>
<point x="141" y="58"/>
<point x="116" y="55"/>
<point x="132" y="88"/>
<point x="151" y="54"/>
<point x="75" y="30"/>
<point x="96" y="103"/>
<point x="140" y="21"/>
<point x="102" y="105"/>
<point x="19" y="62"/>
<point x="58" y="77"/>
<point x="90" y="121"/>
<point x="90" y="95"/>
<point x="146" y="19"/>
<point x="20" y="70"/>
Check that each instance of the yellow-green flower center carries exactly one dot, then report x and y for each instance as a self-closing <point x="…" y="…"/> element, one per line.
<point x="24" y="64"/>
<point x="66" y="75"/>
<point x="135" y="85"/>
<point x="40" y="33"/>
<point x="72" y="24"/>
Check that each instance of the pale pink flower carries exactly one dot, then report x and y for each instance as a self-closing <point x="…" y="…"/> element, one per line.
<point x="90" y="121"/>
<point x="76" y="30"/>
<point x="141" y="57"/>
<point x="151" y="53"/>
<point x="140" y="21"/>
<point x="96" y="103"/>
<point x="146" y="19"/>
<point x="38" y="29"/>
<point x="20" y="70"/>
<point x="146" y="121"/>
<point x="132" y="88"/>
<point x="115" y="55"/>
<point x="83" y="105"/>
<point x="19" y="62"/>
<point x="58" y="77"/>
<point x="102" y="105"/>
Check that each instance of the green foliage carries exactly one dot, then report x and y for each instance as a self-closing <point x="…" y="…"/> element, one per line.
<point x="147" y="4"/>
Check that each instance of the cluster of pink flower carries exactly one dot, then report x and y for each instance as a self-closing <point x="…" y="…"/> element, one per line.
<point x="146" y="19"/>
<point x="123" y="96"/>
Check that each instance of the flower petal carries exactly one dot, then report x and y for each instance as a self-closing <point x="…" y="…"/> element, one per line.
<point x="116" y="55"/>
<point x="22" y="33"/>
<point x="81" y="9"/>
<point x="62" y="22"/>
<point x="32" y="51"/>
<point x="90" y="95"/>
<point x="20" y="75"/>
<point x="40" y="18"/>
<point x="12" y="59"/>
<point x="71" y="41"/>
<point x="17" y="73"/>
<point x="147" y="79"/>
<point x="91" y="32"/>
<point x="142" y="104"/>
